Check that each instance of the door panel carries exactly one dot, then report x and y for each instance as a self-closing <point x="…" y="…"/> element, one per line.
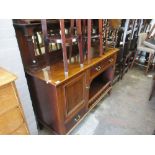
<point x="74" y="95"/>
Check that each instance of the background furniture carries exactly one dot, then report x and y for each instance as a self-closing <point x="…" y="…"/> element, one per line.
<point x="127" y="43"/>
<point x="145" y="28"/>
<point x="141" y="47"/>
<point x="153" y="88"/>
<point x="145" y="25"/>
<point x="64" y="85"/>
<point x="12" y="119"/>
<point x="119" y="60"/>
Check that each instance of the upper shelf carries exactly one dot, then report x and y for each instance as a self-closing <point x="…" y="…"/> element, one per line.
<point x="57" y="39"/>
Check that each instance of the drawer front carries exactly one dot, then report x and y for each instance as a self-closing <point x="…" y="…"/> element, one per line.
<point x="8" y="98"/>
<point x="100" y="67"/>
<point x="10" y="121"/>
<point x="70" y="124"/>
<point x="22" y="130"/>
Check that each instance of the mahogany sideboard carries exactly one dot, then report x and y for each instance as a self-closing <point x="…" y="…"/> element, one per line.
<point x="61" y="103"/>
<point x="68" y="73"/>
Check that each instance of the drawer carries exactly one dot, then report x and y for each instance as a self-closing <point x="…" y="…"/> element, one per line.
<point x="8" y="98"/>
<point x="70" y="124"/>
<point x="101" y="66"/>
<point x="10" y="121"/>
<point x="22" y="130"/>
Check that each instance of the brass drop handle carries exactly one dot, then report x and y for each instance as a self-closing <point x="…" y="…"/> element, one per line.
<point x="98" y="68"/>
<point x="78" y="118"/>
<point x="87" y="87"/>
<point x="110" y="60"/>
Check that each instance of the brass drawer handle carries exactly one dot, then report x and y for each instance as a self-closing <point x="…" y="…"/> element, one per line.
<point x="87" y="87"/>
<point x="110" y="60"/>
<point x="78" y="118"/>
<point x="98" y="68"/>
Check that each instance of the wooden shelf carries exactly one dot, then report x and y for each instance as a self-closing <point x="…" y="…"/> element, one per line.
<point x="97" y="84"/>
<point x="57" y="38"/>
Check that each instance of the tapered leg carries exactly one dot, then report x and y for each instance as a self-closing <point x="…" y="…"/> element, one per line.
<point x="153" y="89"/>
<point x="149" y="62"/>
<point x="134" y="59"/>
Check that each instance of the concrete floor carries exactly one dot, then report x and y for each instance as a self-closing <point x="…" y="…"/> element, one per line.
<point x="125" y="112"/>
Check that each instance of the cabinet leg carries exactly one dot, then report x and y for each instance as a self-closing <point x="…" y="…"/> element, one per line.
<point x="40" y="126"/>
<point x="109" y="93"/>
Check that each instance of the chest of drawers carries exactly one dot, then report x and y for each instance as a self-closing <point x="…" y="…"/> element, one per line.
<point x="12" y="119"/>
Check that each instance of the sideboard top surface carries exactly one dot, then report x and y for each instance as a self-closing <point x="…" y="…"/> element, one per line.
<point x="56" y="72"/>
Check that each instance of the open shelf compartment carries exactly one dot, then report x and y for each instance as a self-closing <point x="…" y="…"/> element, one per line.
<point x="100" y="84"/>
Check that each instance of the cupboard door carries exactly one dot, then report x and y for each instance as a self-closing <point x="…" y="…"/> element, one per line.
<point x="74" y="96"/>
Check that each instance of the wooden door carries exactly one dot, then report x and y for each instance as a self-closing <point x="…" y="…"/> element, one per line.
<point x="74" y="92"/>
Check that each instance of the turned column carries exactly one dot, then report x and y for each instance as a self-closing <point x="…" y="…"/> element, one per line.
<point x="89" y="26"/>
<point x="46" y="41"/>
<point x="79" y="33"/>
<point x="62" y="28"/>
<point x="100" y="36"/>
<point x="71" y="33"/>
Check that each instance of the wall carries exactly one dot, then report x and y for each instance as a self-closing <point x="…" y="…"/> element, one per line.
<point x="10" y="59"/>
